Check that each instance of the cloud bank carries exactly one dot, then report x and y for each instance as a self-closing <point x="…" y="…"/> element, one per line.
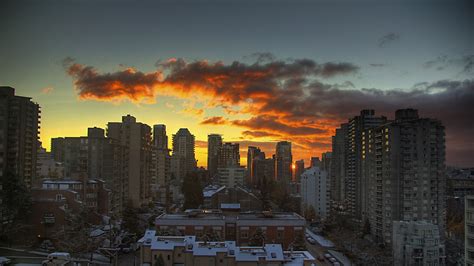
<point x="285" y="99"/>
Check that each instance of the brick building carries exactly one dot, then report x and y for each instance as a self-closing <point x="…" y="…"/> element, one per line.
<point x="56" y="200"/>
<point x="282" y="228"/>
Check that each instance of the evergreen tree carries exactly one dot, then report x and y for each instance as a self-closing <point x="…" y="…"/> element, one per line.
<point x="130" y="220"/>
<point x="15" y="207"/>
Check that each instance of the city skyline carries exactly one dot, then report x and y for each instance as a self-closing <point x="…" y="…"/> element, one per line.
<point x="291" y="78"/>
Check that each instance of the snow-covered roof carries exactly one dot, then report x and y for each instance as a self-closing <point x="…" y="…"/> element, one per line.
<point x="211" y="190"/>
<point x="234" y="206"/>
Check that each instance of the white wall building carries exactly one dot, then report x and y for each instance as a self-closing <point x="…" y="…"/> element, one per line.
<point x="417" y="243"/>
<point x="231" y="176"/>
<point x="315" y="190"/>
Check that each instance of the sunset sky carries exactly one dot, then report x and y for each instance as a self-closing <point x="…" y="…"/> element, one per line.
<point x="255" y="71"/>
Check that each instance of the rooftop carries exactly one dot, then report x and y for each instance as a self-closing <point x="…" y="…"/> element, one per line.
<point x="269" y="252"/>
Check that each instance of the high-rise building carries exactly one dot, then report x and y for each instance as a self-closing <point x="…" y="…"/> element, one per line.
<point x="315" y="162"/>
<point x="469" y="230"/>
<point x="47" y="167"/>
<point x="326" y="161"/>
<point x="338" y="166"/>
<point x="214" y="145"/>
<point x="136" y="139"/>
<point x="184" y="160"/>
<point x="315" y="190"/>
<point x="253" y="153"/>
<point x="161" y="165"/>
<point x="57" y="149"/>
<point x="417" y="243"/>
<point x="283" y="162"/>
<point x="356" y="195"/>
<point x="229" y="155"/>
<point x="231" y="176"/>
<point x="19" y="119"/>
<point x="93" y="157"/>
<point x="405" y="162"/>
<point x="299" y="169"/>
<point x="160" y="139"/>
<point x="263" y="170"/>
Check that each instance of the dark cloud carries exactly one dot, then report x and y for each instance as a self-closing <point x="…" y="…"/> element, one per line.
<point x="258" y="134"/>
<point x="465" y="63"/>
<point x="271" y="123"/>
<point x="377" y="65"/>
<point x="287" y="99"/>
<point x="387" y="39"/>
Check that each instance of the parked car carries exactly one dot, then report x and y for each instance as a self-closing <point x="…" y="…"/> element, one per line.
<point x="311" y="241"/>
<point x="336" y="264"/>
<point x="327" y="256"/>
<point x="332" y="260"/>
<point x="57" y="258"/>
<point x="4" y="261"/>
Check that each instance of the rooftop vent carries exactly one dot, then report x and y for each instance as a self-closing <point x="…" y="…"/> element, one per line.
<point x="267" y="214"/>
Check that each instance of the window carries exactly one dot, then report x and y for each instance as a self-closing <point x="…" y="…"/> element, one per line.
<point x="244" y="234"/>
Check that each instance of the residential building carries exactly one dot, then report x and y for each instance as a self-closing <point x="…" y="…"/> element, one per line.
<point x="263" y="170"/>
<point x="135" y="137"/>
<point x="283" y="162"/>
<point x="183" y="158"/>
<point x="315" y="190"/>
<point x="253" y="153"/>
<point x="229" y="155"/>
<point x="94" y="157"/>
<point x="187" y="250"/>
<point x="469" y="230"/>
<point x="214" y="145"/>
<point x="417" y="243"/>
<point x="338" y="165"/>
<point x="161" y="166"/>
<point x="326" y="161"/>
<point x="19" y="130"/>
<point x="56" y="200"/>
<point x="47" y="167"/>
<point x="231" y="176"/>
<point x="160" y="139"/>
<point x="282" y="228"/>
<point x="299" y="169"/>
<point x="356" y="182"/>
<point x="404" y="161"/>
<point x="315" y="161"/>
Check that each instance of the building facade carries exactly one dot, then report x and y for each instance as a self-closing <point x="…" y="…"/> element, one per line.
<point x="469" y="230"/>
<point x="232" y="176"/>
<point x="282" y="228"/>
<point x="315" y="190"/>
<point x="252" y="153"/>
<point x="229" y="155"/>
<point x="338" y="166"/>
<point x="186" y="250"/>
<point x="19" y="130"/>
<point x="135" y="138"/>
<point x="283" y="162"/>
<point x="405" y="162"/>
<point x="214" y="145"/>
<point x="417" y="243"/>
<point x="299" y="169"/>
<point x="184" y="159"/>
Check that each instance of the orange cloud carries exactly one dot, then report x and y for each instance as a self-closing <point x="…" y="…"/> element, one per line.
<point x="285" y="100"/>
